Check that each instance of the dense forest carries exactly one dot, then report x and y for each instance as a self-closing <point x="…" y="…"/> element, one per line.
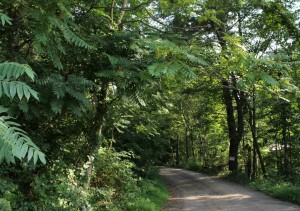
<point x="95" y="93"/>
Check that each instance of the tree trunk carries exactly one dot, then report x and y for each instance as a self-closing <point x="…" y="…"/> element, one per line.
<point x="235" y="133"/>
<point x="177" y="152"/>
<point x="96" y="128"/>
<point x="187" y="154"/>
<point x="256" y="151"/>
<point x="193" y="143"/>
<point x="254" y="163"/>
<point x="233" y="156"/>
<point x="284" y="139"/>
<point x="248" y="161"/>
<point x="233" y="148"/>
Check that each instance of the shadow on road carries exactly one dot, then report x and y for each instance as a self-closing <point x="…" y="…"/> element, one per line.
<point x="195" y="191"/>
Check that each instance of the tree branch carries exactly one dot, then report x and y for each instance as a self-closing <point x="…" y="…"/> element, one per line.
<point x="112" y="11"/>
<point x="120" y="24"/>
<point x="174" y="27"/>
<point x="128" y="8"/>
<point x="143" y="22"/>
<point x="122" y="11"/>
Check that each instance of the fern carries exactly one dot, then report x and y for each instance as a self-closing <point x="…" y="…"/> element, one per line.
<point x="77" y="95"/>
<point x="51" y="33"/>
<point x="67" y="91"/>
<point x="23" y="106"/>
<point x="122" y="62"/>
<point x="5" y="19"/>
<point x="70" y="36"/>
<point x="79" y="80"/>
<point x="57" y="105"/>
<point x="9" y="84"/>
<point x="15" y="70"/>
<point x="59" y="90"/>
<point x="268" y="79"/>
<point x="14" y="142"/>
<point x="106" y="74"/>
<point x="171" y="58"/>
<point x="158" y="69"/>
<point x="53" y="54"/>
<point x="76" y="109"/>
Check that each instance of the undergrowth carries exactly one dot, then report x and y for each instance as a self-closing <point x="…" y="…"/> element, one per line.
<point x="278" y="189"/>
<point x="274" y="187"/>
<point x="151" y="197"/>
<point x="113" y="185"/>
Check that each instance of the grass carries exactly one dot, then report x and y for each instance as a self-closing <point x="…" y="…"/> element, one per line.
<point x="273" y="187"/>
<point x="153" y="194"/>
<point x="276" y="188"/>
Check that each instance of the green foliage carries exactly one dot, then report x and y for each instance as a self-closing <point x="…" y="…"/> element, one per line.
<point x="69" y="193"/>
<point x="8" y="190"/>
<point x="170" y="68"/>
<point x="14" y="142"/>
<point x="4" y="205"/>
<point x="110" y="169"/>
<point x="278" y="189"/>
<point x="5" y="19"/>
<point x="112" y="187"/>
<point x="66" y="90"/>
<point x="151" y="196"/>
<point x="274" y="187"/>
<point x="193" y="165"/>
<point x="70" y="36"/>
<point x="172" y="58"/>
<point x="10" y="85"/>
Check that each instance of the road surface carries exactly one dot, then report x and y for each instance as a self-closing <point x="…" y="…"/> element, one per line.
<point x="195" y="191"/>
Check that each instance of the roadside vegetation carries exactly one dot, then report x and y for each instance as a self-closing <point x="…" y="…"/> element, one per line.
<point x="113" y="185"/>
<point x="280" y="188"/>
<point x="286" y="189"/>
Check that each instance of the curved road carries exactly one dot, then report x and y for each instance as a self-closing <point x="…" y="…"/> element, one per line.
<point x="195" y="191"/>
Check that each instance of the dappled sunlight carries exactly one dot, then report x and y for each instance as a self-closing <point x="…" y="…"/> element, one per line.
<point x="214" y="197"/>
<point x="196" y="191"/>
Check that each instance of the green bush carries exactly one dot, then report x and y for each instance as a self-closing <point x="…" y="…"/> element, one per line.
<point x="282" y="190"/>
<point x="151" y="196"/>
<point x="4" y="205"/>
<point x="112" y="185"/>
<point x="113" y="170"/>
<point x="8" y="190"/>
<point x="275" y="187"/>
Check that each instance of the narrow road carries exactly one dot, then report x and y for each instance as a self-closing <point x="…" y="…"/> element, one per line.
<point x="195" y="191"/>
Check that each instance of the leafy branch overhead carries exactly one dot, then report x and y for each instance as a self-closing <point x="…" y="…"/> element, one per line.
<point x="171" y="58"/>
<point x="10" y="73"/>
<point x="67" y="91"/>
<point x="5" y="19"/>
<point x="14" y="142"/>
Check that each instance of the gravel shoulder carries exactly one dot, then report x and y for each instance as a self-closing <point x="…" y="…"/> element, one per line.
<point x="196" y="191"/>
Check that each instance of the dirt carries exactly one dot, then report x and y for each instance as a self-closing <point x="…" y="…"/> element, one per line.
<point x="196" y="191"/>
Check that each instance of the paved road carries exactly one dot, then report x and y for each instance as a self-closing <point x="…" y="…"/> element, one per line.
<point x="200" y="192"/>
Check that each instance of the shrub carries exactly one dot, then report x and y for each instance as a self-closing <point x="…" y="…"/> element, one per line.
<point x="113" y="170"/>
<point x="282" y="190"/>
<point x="4" y="205"/>
<point x="112" y="185"/>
